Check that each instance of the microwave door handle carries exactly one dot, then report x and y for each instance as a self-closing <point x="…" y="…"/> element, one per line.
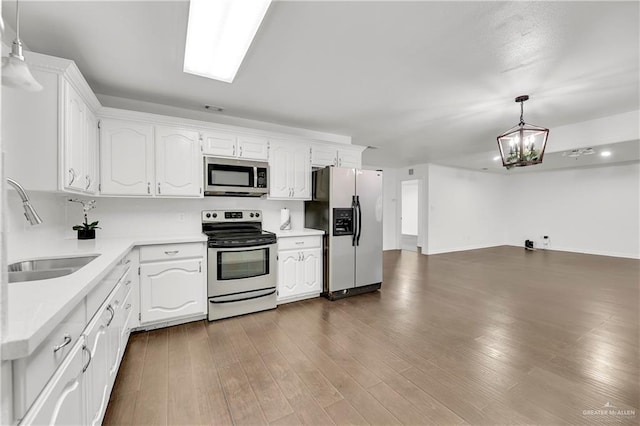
<point x="255" y="177"/>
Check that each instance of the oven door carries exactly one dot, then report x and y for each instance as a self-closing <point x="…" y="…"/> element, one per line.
<point x="240" y="270"/>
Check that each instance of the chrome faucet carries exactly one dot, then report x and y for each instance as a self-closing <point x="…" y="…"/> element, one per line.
<point x="29" y="212"/>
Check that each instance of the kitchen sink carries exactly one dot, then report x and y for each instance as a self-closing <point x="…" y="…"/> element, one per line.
<point x="42" y="269"/>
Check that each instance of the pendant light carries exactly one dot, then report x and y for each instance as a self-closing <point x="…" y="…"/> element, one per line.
<point x="15" y="71"/>
<point x="524" y="144"/>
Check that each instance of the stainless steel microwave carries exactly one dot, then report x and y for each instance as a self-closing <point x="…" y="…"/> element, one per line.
<point x="236" y="178"/>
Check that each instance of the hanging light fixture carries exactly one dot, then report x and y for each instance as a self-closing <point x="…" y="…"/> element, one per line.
<point x="15" y="72"/>
<point x="524" y="144"/>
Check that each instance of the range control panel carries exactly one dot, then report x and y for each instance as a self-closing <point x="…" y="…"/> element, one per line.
<point x="212" y="216"/>
<point x="343" y="221"/>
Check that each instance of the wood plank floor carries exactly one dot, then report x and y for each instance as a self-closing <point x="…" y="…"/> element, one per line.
<point x="491" y="336"/>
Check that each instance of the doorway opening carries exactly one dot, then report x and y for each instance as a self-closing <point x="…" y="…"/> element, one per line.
<point x="410" y="196"/>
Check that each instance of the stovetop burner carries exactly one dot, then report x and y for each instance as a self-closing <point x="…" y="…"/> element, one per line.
<point x="238" y="228"/>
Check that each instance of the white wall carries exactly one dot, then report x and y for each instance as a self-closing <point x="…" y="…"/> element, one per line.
<point x="131" y="216"/>
<point x="390" y="206"/>
<point x="466" y="210"/>
<point x="585" y="210"/>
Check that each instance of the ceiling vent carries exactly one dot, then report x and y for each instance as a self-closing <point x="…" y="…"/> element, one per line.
<point x="410" y="172"/>
<point x="213" y="108"/>
<point x="575" y="153"/>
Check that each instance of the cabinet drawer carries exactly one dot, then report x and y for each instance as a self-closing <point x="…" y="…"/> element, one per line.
<point x="99" y="294"/>
<point x="171" y="251"/>
<point x="32" y="373"/>
<point x="294" y="243"/>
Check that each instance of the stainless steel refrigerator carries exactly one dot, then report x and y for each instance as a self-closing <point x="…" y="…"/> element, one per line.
<point x="347" y="205"/>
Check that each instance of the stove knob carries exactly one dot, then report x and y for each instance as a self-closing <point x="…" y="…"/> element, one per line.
<point x="215" y="215"/>
<point x="208" y="215"/>
<point x="257" y="214"/>
<point x="251" y="215"/>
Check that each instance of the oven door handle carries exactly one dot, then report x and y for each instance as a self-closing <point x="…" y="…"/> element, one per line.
<point x="241" y="300"/>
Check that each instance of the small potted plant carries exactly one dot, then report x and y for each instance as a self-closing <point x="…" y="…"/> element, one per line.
<point x="86" y="231"/>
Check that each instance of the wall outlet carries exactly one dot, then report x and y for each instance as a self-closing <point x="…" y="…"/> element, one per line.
<point x="545" y="241"/>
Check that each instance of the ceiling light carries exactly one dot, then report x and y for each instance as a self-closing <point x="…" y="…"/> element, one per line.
<point x="15" y="71"/>
<point x="496" y="158"/>
<point x="523" y="144"/>
<point x="606" y="153"/>
<point x="219" y="34"/>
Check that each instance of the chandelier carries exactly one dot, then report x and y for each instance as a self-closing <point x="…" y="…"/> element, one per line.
<point x="524" y="144"/>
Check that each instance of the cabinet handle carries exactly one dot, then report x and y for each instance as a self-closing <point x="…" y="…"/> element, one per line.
<point x="65" y="342"/>
<point x="240" y="150"/>
<point x="159" y="188"/>
<point x="88" y="182"/>
<point x="113" y="314"/>
<point x="172" y="252"/>
<point x="126" y="262"/>
<point x="148" y="187"/>
<point x="127" y="282"/>
<point x="299" y="243"/>
<point x="73" y="176"/>
<point x="85" y="349"/>
<point x="127" y="306"/>
<point x="199" y="266"/>
<point x="302" y="253"/>
<point x="234" y="150"/>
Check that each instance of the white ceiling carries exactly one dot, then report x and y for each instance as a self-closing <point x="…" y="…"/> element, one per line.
<point x="423" y="81"/>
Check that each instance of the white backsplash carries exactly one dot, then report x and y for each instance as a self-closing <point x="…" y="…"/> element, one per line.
<point x="121" y="217"/>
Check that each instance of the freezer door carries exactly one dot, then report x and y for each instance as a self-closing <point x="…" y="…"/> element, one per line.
<point x="341" y="250"/>
<point x="369" y="238"/>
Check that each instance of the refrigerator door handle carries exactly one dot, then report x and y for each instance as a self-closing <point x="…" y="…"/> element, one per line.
<point x="359" y="219"/>
<point x="355" y="221"/>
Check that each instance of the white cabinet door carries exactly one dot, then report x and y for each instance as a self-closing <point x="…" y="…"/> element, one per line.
<point x="322" y="156"/>
<point x="312" y="271"/>
<point x="280" y="159"/>
<point x="91" y="154"/>
<point x="253" y="148"/>
<point x="288" y="274"/>
<point x="349" y="159"/>
<point x="97" y="341"/>
<point x="219" y="144"/>
<point x="178" y="165"/>
<point x="126" y="158"/>
<point x="62" y="400"/>
<point x="74" y="140"/>
<point x="290" y="170"/>
<point x="301" y="173"/>
<point x="171" y="289"/>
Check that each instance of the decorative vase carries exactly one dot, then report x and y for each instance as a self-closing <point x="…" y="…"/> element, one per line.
<point x="86" y="234"/>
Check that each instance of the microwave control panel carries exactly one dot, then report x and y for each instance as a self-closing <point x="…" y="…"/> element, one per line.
<point x="262" y="177"/>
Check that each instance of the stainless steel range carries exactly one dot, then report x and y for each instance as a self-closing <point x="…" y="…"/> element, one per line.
<point x="242" y="263"/>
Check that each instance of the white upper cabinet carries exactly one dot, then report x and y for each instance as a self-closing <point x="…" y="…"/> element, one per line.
<point x="45" y="133"/>
<point x="126" y="158"/>
<point x="290" y="171"/>
<point x="74" y="140"/>
<point x="178" y="162"/>
<point x="221" y="144"/>
<point x="329" y="155"/>
<point x="91" y="175"/>
<point x="253" y="148"/>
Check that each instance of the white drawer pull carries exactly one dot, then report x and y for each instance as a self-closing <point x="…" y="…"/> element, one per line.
<point x="172" y="252"/>
<point x="127" y="282"/>
<point x="67" y="340"/>
<point x="128" y="305"/>
<point x="299" y="243"/>
<point x="85" y="349"/>
<point x="113" y="314"/>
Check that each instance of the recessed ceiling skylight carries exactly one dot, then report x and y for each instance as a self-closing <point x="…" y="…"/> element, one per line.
<point x="219" y="34"/>
<point x="605" y="153"/>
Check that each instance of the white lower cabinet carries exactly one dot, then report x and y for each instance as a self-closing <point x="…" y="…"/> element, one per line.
<point x="62" y="402"/>
<point x="172" y="282"/>
<point x="79" y="390"/>
<point x="299" y="269"/>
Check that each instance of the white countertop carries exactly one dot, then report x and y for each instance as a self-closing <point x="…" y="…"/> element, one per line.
<point x="298" y="232"/>
<point x="35" y="308"/>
